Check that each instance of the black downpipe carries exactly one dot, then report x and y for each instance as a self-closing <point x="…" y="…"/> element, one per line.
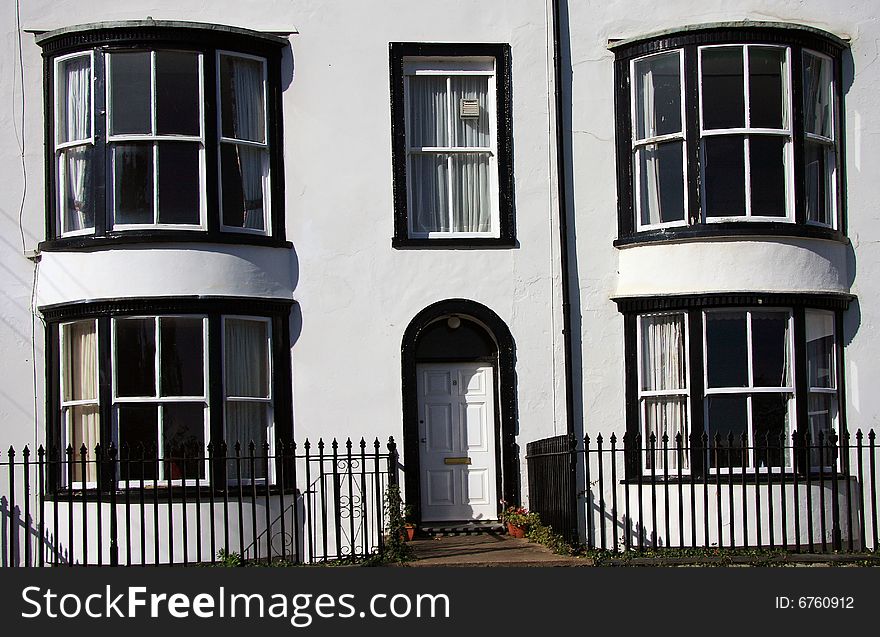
<point x="562" y="198"/>
<point x="563" y="216"/>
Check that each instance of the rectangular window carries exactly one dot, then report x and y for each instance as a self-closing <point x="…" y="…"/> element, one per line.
<point x="74" y="143"/>
<point x="160" y="395"/>
<point x="80" y="417"/>
<point x="822" y="376"/>
<point x="820" y="159"/>
<point x="451" y="154"/>
<point x="659" y="141"/>
<point x="749" y="387"/>
<point x="156" y="139"/>
<point x="248" y="396"/>
<point x="244" y="147"/>
<point x="664" y="394"/>
<point x="746" y="133"/>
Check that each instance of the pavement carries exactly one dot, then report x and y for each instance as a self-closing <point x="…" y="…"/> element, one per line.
<point x="486" y="549"/>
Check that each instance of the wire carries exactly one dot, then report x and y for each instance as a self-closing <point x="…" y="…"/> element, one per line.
<point x="20" y="139"/>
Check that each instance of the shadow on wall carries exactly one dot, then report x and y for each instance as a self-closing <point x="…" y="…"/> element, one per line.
<point x="20" y="538"/>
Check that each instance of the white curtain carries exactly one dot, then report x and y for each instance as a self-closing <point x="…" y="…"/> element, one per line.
<point x="429" y="188"/>
<point x="664" y="368"/>
<point x="649" y="185"/>
<point x="429" y="111"/>
<point x="75" y="124"/>
<point x="471" y="210"/>
<point x="80" y="384"/>
<point x="817" y="95"/>
<point x="470" y="132"/>
<point x="246" y="360"/>
<point x="249" y="124"/>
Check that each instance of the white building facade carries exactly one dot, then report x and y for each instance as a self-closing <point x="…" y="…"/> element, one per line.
<point x="467" y="226"/>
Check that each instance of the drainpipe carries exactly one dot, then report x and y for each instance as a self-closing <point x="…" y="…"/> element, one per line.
<point x="563" y="217"/>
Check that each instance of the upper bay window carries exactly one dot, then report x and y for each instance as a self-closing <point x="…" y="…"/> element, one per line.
<point x="163" y="131"/>
<point x="729" y="131"/>
<point x="452" y="172"/>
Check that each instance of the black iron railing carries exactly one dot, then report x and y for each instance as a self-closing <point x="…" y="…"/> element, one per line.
<point x="800" y="493"/>
<point x="240" y="503"/>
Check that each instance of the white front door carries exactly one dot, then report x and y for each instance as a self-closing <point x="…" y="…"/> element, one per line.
<point x="457" y="442"/>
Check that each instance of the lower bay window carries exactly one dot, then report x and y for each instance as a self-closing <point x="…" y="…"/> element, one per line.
<point x="160" y="386"/>
<point x="734" y="382"/>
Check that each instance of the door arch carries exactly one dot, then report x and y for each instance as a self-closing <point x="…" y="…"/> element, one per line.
<point x="485" y="338"/>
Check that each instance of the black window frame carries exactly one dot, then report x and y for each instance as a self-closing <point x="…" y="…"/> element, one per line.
<point x="694" y="306"/>
<point x="103" y="38"/>
<point x="689" y="39"/>
<point x="214" y="309"/>
<point x="504" y="132"/>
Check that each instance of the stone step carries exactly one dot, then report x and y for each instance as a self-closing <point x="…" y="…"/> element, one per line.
<point x="470" y="527"/>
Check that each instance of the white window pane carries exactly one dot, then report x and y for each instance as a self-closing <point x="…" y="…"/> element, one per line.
<point x="666" y="416"/>
<point x="771" y="359"/>
<point x="75" y="99"/>
<point x="471" y="206"/>
<point x="80" y="355"/>
<point x="428" y="111"/>
<point x="135" y="357"/>
<point x="768" y="94"/>
<point x="77" y="199"/>
<point x="727" y="416"/>
<point x="819" y="162"/>
<point x="657" y="95"/>
<point x="182" y="356"/>
<point x="664" y="364"/>
<point x="470" y="131"/>
<point x="767" y="175"/>
<point x="770" y="427"/>
<point x="177" y="93"/>
<point x="130" y="90"/>
<point x="429" y="193"/>
<point x="818" y="96"/>
<point x="722" y="87"/>
<point x="726" y="349"/>
<point x="183" y="435"/>
<point x="242" y="108"/>
<point x="724" y="176"/>
<point x="822" y="414"/>
<point x="179" y="182"/>
<point x="246" y="423"/>
<point x="133" y="183"/>
<point x="820" y="350"/>
<point x="84" y="427"/>
<point x="246" y="357"/>
<point x="244" y="174"/>
<point x="661" y="183"/>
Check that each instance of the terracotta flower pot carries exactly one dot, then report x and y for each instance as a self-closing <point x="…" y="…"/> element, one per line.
<point x="516" y="531"/>
<point x="409" y="532"/>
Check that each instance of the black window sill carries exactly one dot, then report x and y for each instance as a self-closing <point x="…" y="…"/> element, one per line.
<point x="404" y="243"/>
<point x="84" y="242"/>
<point x="761" y="229"/>
<point x="177" y="493"/>
<point x="816" y="478"/>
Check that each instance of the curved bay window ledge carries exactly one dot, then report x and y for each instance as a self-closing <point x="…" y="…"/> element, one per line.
<point x="167" y="131"/>
<point x="765" y="264"/>
<point x="730" y="230"/>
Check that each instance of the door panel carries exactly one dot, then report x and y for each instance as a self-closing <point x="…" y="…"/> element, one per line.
<point x="457" y="441"/>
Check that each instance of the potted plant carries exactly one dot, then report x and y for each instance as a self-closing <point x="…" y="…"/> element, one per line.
<point x="409" y="525"/>
<point x="518" y="519"/>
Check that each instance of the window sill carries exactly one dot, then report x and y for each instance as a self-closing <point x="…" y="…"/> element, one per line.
<point x="84" y="242"/>
<point x="763" y="230"/>
<point x="404" y="243"/>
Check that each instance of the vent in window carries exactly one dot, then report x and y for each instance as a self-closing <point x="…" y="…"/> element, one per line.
<point x="469" y="109"/>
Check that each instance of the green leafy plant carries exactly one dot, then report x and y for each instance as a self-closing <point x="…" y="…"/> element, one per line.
<point x="228" y="559"/>
<point x="518" y="516"/>
<point x="396" y="548"/>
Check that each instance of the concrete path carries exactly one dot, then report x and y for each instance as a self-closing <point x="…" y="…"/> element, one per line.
<point x="486" y="549"/>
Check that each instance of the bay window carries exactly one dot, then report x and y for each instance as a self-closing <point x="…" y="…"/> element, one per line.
<point x="176" y="380"/>
<point x="731" y="381"/>
<point x="729" y="130"/>
<point x="167" y="132"/>
<point x="450" y="106"/>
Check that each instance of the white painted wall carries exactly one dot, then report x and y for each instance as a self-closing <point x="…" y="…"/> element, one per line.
<point x="355" y="294"/>
<point x="604" y="271"/>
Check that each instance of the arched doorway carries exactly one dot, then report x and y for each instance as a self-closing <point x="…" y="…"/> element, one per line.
<point x="459" y="412"/>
